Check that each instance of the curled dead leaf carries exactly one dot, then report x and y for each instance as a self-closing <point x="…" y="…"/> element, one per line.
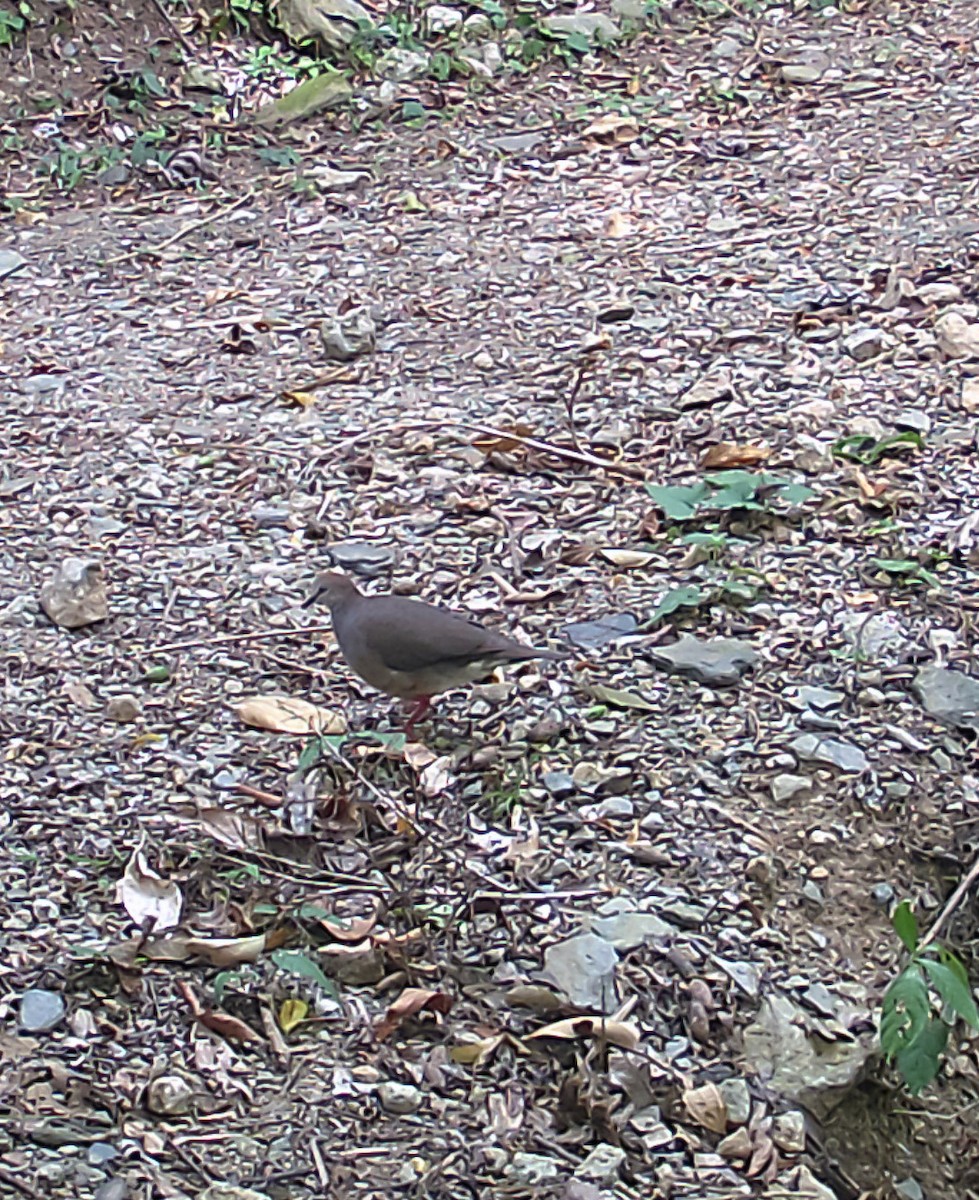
<point x="626" y="559"/>
<point x="706" y="1106"/>
<point x="612" y="129"/>
<point x="723" y="455"/>
<point x="289" y="714"/>
<point x="617" y="1033"/>
<point x="147" y="897"/>
<point x="411" y="1001"/>
<point x="236" y="830"/>
<point x="302" y="399"/>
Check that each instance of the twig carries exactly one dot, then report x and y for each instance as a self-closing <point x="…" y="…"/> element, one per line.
<point x="582" y="456"/>
<point x="20" y="1184"/>
<point x="228" y="638"/>
<point x="150" y="251"/>
<point x="951" y="904"/>
<point x="173" y="27"/>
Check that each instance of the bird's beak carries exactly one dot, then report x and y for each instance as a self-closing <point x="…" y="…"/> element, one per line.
<point x="311" y="599"/>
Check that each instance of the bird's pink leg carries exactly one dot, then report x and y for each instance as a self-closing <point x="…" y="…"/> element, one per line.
<point x="418" y="710"/>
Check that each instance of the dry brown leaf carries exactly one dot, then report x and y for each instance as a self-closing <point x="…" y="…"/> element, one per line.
<point x="411" y="1001"/>
<point x="227" y="1026"/>
<point x="617" y="225"/>
<point x="626" y="559"/>
<point x="218" y="295"/>
<point x="229" y="952"/>
<point x="351" y="931"/>
<point x="302" y="399"/>
<point x="723" y="455"/>
<point x="617" y="1033"/>
<point x="706" y="1106"/>
<point x="147" y="897"/>
<point x="613" y="129"/>
<point x="232" y="829"/>
<point x="289" y="714"/>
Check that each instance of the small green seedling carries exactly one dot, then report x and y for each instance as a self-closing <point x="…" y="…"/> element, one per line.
<point x="867" y="450"/>
<point x="906" y="570"/>
<point x="922" y="1005"/>
<point x="754" y="491"/>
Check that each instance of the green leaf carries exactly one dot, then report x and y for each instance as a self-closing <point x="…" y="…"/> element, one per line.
<point x="795" y="493"/>
<point x="156" y="675"/>
<point x="906" y="925"/>
<point x="411" y="110"/>
<point x="311" y="754"/>
<point x="904" y="1012"/>
<point x="919" y="1062"/>
<point x="299" y="964"/>
<point x="678" y="503"/>
<point x="313" y="912"/>
<point x="681" y="597"/>
<point x="221" y="983"/>
<point x="896" y="566"/>
<point x="579" y="42"/>
<point x="956" y="994"/>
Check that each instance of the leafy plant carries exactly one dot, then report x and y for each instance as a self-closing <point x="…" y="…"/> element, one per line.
<point x="922" y="1005"/>
<point x="14" y="20"/>
<point x="906" y="570"/>
<point x="867" y="450"/>
<point x="748" y="490"/>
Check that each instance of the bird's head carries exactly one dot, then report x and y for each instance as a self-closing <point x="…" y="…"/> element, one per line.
<point x="332" y="589"/>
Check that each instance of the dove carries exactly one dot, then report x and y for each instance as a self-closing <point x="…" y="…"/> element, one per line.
<point x="411" y="649"/>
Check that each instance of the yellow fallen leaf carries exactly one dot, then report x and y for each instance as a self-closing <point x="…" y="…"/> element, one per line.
<point x="292" y="1013"/>
<point x="706" y="1106"/>
<point x="303" y="399"/>
<point x="616" y="1033"/>
<point x="626" y="559"/>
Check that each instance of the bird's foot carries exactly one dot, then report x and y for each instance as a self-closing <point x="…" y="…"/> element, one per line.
<point x="418" y="710"/>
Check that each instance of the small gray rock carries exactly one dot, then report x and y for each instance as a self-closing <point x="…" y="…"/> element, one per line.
<point x="40" y="1011"/>
<point x="844" y="755"/>
<point x="627" y="930"/>
<point x="349" y="336"/>
<point x="558" y="783"/>
<point x="75" y="595"/>
<point x="597" y="27"/>
<point x="737" y="1100"/>
<point x="532" y="1170"/>
<point x="583" y="967"/>
<point x="882" y="895"/>
<point x="784" y="787"/>
<point x="602" y="1165"/>
<point x="589" y="635"/>
<point x="399" y="1098"/>
<point x="124" y="709"/>
<point x="951" y="697"/>
<point x="113" y="1189"/>
<point x="864" y="344"/>
<point x="439" y="18"/>
<point x="789" y="1132"/>
<point x="366" y="558"/>
<point x="100" y="1153"/>
<point x="720" y="662"/>
<point x="10" y="261"/>
<point x="400" y="64"/>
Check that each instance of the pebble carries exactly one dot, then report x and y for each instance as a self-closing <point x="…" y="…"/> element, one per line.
<point x="124" y="709"/>
<point x="399" y="1098"/>
<point x="40" y="1010"/>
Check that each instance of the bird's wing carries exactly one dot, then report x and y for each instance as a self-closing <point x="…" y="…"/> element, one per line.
<point x="411" y="636"/>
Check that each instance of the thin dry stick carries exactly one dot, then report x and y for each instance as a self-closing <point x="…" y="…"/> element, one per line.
<point x="189" y="228"/>
<point x="951" y="904"/>
<point x="227" y="639"/>
<point x="582" y="456"/>
<point x="173" y="27"/>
